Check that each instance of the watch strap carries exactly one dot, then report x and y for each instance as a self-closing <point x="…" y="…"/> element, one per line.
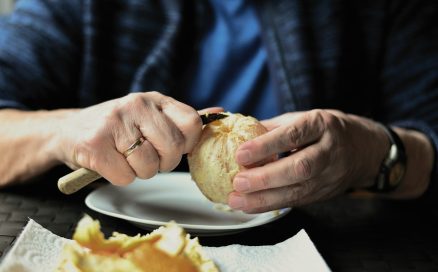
<point x="396" y="157"/>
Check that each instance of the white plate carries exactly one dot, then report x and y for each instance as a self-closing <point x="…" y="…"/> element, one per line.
<point x="172" y="196"/>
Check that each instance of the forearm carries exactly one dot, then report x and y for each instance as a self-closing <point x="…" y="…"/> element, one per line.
<point x="27" y="143"/>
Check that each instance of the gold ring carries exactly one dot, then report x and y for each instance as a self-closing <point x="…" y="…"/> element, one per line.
<point x="133" y="146"/>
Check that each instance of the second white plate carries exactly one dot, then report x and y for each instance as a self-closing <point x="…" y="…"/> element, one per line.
<point x="173" y="196"/>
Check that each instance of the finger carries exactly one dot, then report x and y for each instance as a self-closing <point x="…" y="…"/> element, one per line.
<point x="116" y="169"/>
<point x="211" y="110"/>
<point x="110" y="164"/>
<point x="306" y="129"/>
<point x="166" y="139"/>
<point x="301" y="166"/>
<point x="272" y="199"/>
<point x="145" y="112"/>
<point x="280" y="120"/>
<point x="144" y="160"/>
<point x="125" y="132"/>
<point x="186" y="119"/>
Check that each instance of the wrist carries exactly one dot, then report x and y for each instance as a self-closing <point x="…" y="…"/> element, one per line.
<point x="420" y="154"/>
<point x="381" y="146"/>
<point x="374" y="146"/>
<point x="28" y="143"/>
<point x="54" y="124"/>
<point x="393" y="167"/>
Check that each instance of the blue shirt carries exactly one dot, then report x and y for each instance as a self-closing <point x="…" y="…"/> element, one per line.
<point x="231" y="67"/>
<point x="346" y="55"/>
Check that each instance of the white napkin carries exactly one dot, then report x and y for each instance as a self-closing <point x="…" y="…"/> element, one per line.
<point x="37" y="249"/>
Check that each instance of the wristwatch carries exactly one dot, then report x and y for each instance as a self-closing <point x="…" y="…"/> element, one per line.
<point x="393" y="167"/>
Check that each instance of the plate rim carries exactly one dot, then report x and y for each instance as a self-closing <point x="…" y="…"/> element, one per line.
<point x="271" y="216"/>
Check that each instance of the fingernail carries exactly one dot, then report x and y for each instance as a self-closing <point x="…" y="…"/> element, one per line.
<point x="241" y="184"/>
<point x="236" y="202"/>
<point x="243" y="157"/>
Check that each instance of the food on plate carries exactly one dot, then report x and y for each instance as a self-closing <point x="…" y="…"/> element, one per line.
<point x="212" y="162"/>
<point x="167" y="248"/>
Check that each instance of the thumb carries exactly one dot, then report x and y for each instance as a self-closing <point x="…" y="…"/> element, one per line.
<point x="280" y="120"/>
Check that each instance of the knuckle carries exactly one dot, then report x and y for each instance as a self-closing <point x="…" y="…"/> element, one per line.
<point x="82" y="157"/>
<point x="293" y="136"/>
<point x="150" y="168"/>
<point x="153" y="93"/>
<point x="260" y="201"/>
<point x="123" y="180"/>
<point x="318" y="117"/>
<point x="170" y="164"/>
<point x="129" y="98"/>
<point x="131" y="102"/>
<point x="257" y="147"/>
<point x="261" y="147"/>
<point x="189" y="124"/>
<point x="166" y="101"/>
<point x="177" y="143"/>
<point x="96" y="162"/>
<point x="126" y="98"/>
<point x="292" y="196"/>
<point x="289" y="171"/>
<point x="85" y="153"/>
<point x="317" y="113"/>
<point x="306" y="187"/>
<point x="149" y="172"/>
<point x="330" y="121"/>
<point x="113" y="116"/>
<point x="335" y="128"/>
<point x="145" y="165"/>
<point x="263" y="180"/>
<point x="192" y="120"/>
<point x="303" y="168"/>
<point x="136" y="102"/>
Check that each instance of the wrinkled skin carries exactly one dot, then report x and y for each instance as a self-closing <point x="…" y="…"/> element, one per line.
<point x="328" y="152"/>
<point x="96" y="137"/>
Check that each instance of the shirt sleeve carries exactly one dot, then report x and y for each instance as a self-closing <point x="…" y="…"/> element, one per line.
<point x="40" y="45"/>
<point x="410" y="71"/>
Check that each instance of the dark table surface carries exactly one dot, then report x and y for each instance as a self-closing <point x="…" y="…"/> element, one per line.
<point x="351" y="234"/>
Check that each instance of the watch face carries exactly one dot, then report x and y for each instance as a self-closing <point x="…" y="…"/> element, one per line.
<point x="396" y="174"/>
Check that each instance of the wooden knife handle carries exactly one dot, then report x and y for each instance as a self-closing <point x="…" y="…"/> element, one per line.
<point x="77" y="180"/>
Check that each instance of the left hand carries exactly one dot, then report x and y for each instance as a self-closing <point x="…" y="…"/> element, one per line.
<point x="330" y="151"/>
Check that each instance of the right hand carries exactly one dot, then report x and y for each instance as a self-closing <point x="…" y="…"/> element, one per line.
<point x="96" y="137"/>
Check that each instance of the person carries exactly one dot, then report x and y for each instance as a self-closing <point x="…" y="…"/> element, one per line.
<point x="77" y="80"/>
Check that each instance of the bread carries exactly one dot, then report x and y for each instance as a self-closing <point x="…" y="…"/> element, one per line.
<point x="167" y="249"/>
<point x="212" y="162"/>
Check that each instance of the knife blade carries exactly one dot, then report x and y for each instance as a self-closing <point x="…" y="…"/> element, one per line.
<point x="80" y="178"/>
<point x="210" y="117"/>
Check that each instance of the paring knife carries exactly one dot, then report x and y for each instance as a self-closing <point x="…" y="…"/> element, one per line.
<point x="80" y="178"/>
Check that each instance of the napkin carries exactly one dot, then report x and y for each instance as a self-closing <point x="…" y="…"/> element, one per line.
<point x="38" y="249"/>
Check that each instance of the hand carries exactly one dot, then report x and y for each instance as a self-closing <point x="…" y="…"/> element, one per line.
<point x="329" y="152"/>
<point x="96" y="137"/>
